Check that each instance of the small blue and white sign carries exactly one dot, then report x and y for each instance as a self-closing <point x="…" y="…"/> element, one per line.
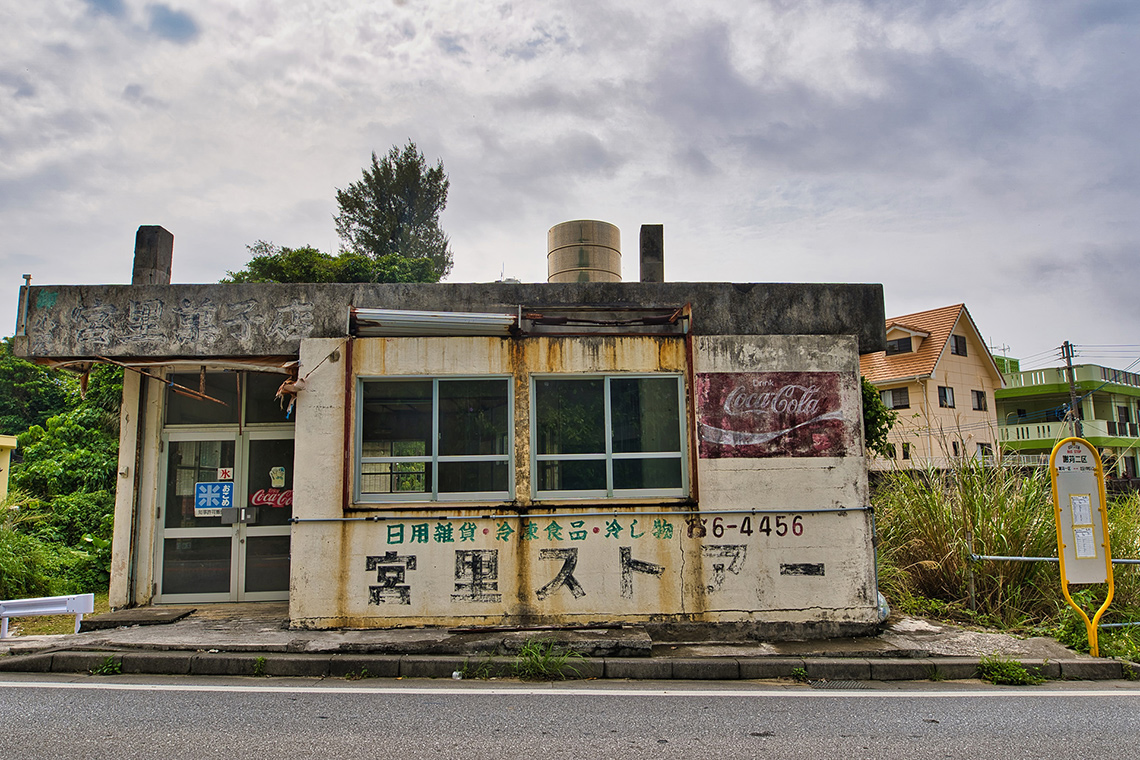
<point x="211" y="498"/>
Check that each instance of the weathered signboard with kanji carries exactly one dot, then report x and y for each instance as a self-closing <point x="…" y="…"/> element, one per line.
<point x="578" y="566"/>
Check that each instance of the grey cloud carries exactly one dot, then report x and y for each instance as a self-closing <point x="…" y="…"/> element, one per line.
<point x="930" y="105"/>
<point x="171" y="25"/>
<point x="695" y="161"/>
<point x="114" y="8"/>
<point x="135" y="93"/>
<point x="1099" y="276"/>
<point x="532" y="172"/>
<point x="17" y="84"/>
<point x="596" y="101"/>
<point x="451" y="45"/>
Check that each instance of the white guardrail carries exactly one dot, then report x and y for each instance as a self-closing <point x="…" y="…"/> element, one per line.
<point x="77" y="604"/>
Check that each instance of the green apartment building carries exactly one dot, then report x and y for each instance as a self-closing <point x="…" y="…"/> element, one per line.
<point x="1032" y="411"/>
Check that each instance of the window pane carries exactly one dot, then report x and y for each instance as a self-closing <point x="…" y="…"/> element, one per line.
<point x="397" y="418"/>
<point x="261" y="404"/>
<point x="267" y="563"/>
<point x="271" y="480"/>
<point x="588" y="475"/>
<point x="189" y="463"/>
<point x="187" y="410"/>
<point x="395" y="477"/>
<point x="570" y="417"/>
<point x="647" y="473"/>
<point x="196" y="565"/>
<point x="473" y="418"/>
<point x="472" y="477"/>
<point x="645" y="414"/>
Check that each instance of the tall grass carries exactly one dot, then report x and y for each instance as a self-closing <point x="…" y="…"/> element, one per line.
<point x="927" y="521"/>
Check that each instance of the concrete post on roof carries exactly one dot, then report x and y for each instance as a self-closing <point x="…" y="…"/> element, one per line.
<point x="154" y="251"/>
<point x="652" y="253"/>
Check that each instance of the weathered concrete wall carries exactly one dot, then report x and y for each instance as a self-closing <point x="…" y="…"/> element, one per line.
<point x="83" y="321"/>
<point x="751" y="546"/>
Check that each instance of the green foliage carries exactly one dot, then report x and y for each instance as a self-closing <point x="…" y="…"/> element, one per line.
<point x="29" y="393"/>
<point x="55" y="536"/>
<point x="877" y="420"/>
<point x="109" y="667"/>
<point x="357" y="675"/>
<point x="26" y="563"/>
<point x="77" y="451"/>
<point x="544" y="660"/>
<point x="270" y="263"/>
<point x="924" y="520"/>
<point x="259" y="667"/>
<point x="481" y="670"/>
<point x="395" y="208"/>
<point x="799" y="675"/>
<point x="1006" y="672"/>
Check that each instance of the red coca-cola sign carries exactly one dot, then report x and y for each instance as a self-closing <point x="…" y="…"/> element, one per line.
<point x="272" y="497"/>
<point x="770" y="414"/>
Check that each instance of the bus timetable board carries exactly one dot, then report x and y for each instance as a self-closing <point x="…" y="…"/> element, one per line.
<point x="1079" y="511"/>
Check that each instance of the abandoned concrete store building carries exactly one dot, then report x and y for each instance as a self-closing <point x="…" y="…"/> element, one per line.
<point x="499" y="453"/>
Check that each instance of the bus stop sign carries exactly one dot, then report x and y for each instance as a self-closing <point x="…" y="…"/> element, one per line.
<point x="1080" y="513"/>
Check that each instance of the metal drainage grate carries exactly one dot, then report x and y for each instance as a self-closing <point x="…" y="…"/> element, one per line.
<point x="823" y="684"/>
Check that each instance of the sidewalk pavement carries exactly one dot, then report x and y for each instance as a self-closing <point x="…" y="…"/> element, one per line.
<point x="254" y="639"/>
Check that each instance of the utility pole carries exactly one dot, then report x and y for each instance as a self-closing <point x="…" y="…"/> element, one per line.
<point x="1067" y="354"/>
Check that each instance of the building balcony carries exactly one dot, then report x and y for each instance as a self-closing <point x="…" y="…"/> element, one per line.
<point x="1027" y="434"/>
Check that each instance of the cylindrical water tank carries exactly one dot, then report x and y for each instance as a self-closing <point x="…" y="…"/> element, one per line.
<point x="584" y="250"/>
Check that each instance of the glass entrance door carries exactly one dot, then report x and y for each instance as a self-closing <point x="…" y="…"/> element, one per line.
<point x="225" y="511"/>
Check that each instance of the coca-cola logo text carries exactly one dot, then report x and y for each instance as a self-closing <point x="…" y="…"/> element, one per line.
<point x="272" y="497"/>
<point x="789" y="399"/>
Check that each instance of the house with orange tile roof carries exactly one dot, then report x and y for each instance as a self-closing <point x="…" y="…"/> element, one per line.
<point x="938" y="374"/>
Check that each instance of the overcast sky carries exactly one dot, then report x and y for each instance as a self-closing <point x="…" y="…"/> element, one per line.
<point x="977" y="152"/>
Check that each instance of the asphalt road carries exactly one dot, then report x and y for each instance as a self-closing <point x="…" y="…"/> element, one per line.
<point x="176" y="717"/>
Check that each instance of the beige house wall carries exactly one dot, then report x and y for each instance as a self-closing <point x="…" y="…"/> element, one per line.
<point x="931" y="429"/>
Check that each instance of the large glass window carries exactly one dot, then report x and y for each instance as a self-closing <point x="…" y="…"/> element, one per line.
<point x="434" y="439"/>
<point x="608" y="436"/>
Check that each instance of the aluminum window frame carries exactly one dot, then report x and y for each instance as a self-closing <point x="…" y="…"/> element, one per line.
<point x="432" y="494"/>
<point x="609" y="455"/>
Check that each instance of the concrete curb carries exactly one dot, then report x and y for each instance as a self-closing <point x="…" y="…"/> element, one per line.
<point x="356" y="666"/>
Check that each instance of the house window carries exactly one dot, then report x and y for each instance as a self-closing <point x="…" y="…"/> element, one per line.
<point x="899" y="346"/>
<point x="608" y="436"/>
<point x="889" y="450"/>
<point x="955" y="448"/>
<point x="434" y="439"/>
<point x="958" y="345"/>
<point x="979" y="399"/>
<point x="906" y="451"/>
<point x="896" y="398"/>
<point x="945" y="397"/>
<point x="985" y="450"/>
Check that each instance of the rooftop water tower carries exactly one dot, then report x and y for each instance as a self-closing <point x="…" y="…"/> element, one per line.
<point x="584" y="250"/>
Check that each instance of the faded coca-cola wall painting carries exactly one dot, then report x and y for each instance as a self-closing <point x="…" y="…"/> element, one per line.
<point x="770" y="414"/>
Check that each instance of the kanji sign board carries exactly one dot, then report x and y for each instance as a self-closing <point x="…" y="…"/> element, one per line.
<point x="1079" y="511"/>
<point x="211" y="498"/>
